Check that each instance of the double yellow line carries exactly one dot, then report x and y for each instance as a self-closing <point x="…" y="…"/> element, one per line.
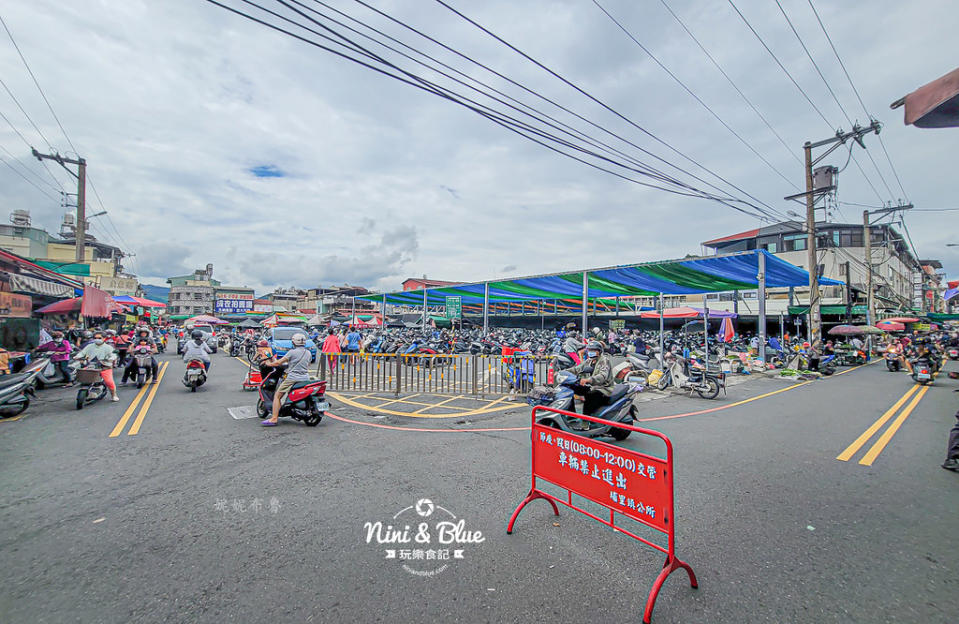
<point x="150" y="390"/>
<point x="886" y="436"/>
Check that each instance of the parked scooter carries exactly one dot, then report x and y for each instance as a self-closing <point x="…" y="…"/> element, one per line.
<point x="953" y="353"/>
<point x="16" y="389"/>
<point x="619" y="408"/>
<point x="195" y="375"/>
<point x="306" y="401"/>
<point x="680" y="375"/>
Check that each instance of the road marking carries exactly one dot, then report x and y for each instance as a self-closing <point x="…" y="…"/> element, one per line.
<point x="423" y="429"/>
<point x="135" y="428"/>
<point x="883" y="440"/>
<point x="129" y="412"/>
<point x="853" y="448"/>
<point x="723" y="407"/>
<point x="473" y="412"/>
<point x="849" y="370"/>
<point x="12" y="418"/>
<point x="403" y="400"/>
<point x="421" y="410"/>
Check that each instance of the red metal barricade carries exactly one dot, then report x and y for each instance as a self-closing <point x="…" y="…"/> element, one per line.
<point x="632" y="484"/>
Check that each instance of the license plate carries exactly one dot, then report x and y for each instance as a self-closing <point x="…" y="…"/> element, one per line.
<point x="923" y="376"/>
<point x="193" y="373"/>
<point x="323" y="406"/>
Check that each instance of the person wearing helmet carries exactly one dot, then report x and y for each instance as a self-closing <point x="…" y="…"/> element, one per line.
<point x="297" y="362"/>
<point x="596" y="378"/>
<point x="197" y="349"/>
<point x="130" y="370"/>
<point x="86" y="338"/>
<point x="573" y="345"/>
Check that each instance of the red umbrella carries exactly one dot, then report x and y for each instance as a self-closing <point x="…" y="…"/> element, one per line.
<point x="686" y="312"/>
<point x="934" y="105"/>
<point x="891" y="325"/>
<point x="62" y="307"/>
<point x="902" y="319"/>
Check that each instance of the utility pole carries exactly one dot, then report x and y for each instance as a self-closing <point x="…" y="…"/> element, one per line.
<point x="81" y="176"/>
<point x="857" y="132"/>
<point x="867" y="240"/>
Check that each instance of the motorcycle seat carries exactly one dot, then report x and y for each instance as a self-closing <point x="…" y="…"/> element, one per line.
<point x="619" y="391"/>
<point x="301" y="384"/>
<point x="11" y="380"/>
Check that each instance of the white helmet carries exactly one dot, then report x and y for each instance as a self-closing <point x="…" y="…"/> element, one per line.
<point x="298" y="340"/>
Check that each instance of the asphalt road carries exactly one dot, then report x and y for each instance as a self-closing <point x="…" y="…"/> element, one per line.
<point x="200" y="517"/>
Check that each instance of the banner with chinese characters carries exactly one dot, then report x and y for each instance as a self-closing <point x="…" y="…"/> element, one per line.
<point x="633" y="484"/>
<point x="233" y="306"/>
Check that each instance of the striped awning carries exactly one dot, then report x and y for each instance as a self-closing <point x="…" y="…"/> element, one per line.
<point x="696" y="275"/>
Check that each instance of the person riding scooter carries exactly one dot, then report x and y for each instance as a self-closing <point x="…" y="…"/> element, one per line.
<point x="297" y="362"/>
<point x="597" y="380"/>
<point x="131" y="369"/>
<point x="197" y="349"/>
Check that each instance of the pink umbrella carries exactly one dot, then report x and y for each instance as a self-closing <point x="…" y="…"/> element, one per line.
<point x="204" y="318"/>
<point x="891" y="326"/>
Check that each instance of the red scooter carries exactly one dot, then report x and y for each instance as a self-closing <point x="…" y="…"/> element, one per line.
<point x="306" y="401"/>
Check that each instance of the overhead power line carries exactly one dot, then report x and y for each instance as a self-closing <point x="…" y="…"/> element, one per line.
<point x="595" y="100"/>
<point x="693" y="95"/>
<point x="341" y="45"/>
<point x="858" y="96"/>
<point x="31" y="182"/>
<point x="37" y="83"/>
<point x="789" y="150"/>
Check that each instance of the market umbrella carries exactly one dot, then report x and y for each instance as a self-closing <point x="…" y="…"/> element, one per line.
<point x="248" y="323"/>
<point x="140" y="301"/>
<point x="687" y="312"/>
<point x="726" y="331"/>
<point x="891" y="326"/>
<point x="845" y="330"/>
<point x="62" y="307"/>
<point x="903" y="319"/>
<point x="204" y="318"/>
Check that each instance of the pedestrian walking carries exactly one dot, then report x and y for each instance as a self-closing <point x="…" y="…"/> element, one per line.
<point x="331" y="346"/>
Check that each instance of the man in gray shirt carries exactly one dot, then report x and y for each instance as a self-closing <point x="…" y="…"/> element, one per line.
<point x="297" y="360"/>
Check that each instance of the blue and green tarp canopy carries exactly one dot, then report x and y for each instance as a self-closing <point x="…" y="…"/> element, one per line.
<point x="738" y="271"/>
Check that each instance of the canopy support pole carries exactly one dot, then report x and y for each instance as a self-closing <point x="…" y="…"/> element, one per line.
<point x="706" y="333"/>
<point x="761" y="295"/>
<point x="585" y="302"/>
<point x="486" y="308"/>
<point x="617" y="307"/>
<point x="353" y="315"/>
<point x="383" y="310"/>
<point x="542" y="319"/>
<point x="782" y="330"/>
<point x="662" y="355"/>
<point x="424" y="308"/>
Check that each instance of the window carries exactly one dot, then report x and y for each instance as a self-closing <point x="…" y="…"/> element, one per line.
<point x="770" y="247"/>
<point x="794" y="242"/>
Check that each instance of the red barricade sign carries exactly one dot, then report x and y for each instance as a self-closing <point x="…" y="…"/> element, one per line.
<point x="625" y="482"/>
<point x="630" y="483"/>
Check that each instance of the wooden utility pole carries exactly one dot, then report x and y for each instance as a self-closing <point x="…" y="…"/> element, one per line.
<point x="81" y="176"/>
<point x="815" y="325"/>
<point x="857" y="132"/>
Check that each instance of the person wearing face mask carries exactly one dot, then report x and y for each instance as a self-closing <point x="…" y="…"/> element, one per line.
<point x="597" y="382"/>
<point x="103" y="353"/>
<point x="60" y="350"/>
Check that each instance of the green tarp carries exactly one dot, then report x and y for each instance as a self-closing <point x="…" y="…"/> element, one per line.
<point x="829" y="309"/>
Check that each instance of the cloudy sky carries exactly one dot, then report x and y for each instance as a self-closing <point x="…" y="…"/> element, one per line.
<point x="214" y="139"/>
